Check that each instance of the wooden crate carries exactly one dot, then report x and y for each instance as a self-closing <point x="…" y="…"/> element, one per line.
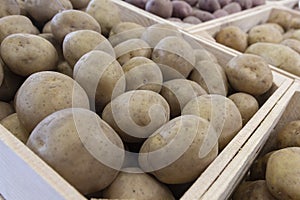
<point x="245" y="23"/>
<point x="287" y="3"/>
<point x="25" y="176"/>
<point x="262" y="141"/>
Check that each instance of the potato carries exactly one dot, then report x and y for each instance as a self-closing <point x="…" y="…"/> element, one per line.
<point x="232" y="7"/>
<point x="259" y="166"/>
<point x="57" y="46"/>
<point x="44" y="10"/>
<point x="13" y="124"/>
<point x="264" y="33"/>
<point x="178" y="92"/>
<point x="79" y="4"/>
<point x="234" y="37"/>
<point x="162" y="8"/>
<point x="62" y="141"/>
<point x="1" y="74"/>
<point x="106" y="13"/>
<point x="132" y="48"/>
<point x="192" y="20"/>
<point x="281" y="17"/>
<point x="71" y="20"/>
<point x="220" y="111"/>
<point x="47" y="27"/>
<point x="138" y="3"/>
<point x="209" y="5"/>
<point x="133" y="183"/>
<point x="5" y="109"/>
<point x="295" y="35"/>
<point x="252" y="190"/>
<point x="26" y="54"/>
<point x="124" y="31"/>
<point x="136" y="114"/>
<point x="16" y="24"/>
<point x="258" y="2"/>
<point x="277" y="55"/>
<point x="211" y="77"/>
<point x="293" y="44"/>
<point x="179" y="151"/>
<point x="250" y="74"/>
<point x="64" y="68"/>
<point x="181" y="9"/>
<point x="295" y="23"/>
<point x="203" y="54"/>
<point x="191" y="2"/>
<point x="282" y="174"/>
<point x="220" y="13"/>
<point x="10" y="85"/>
<point x="289" y="136"/>
<point x="143" y="74"/>
<point x="224" y="2"/>
<point x="174" y="57"/>
<point x="78" y="43"/>
<point x="245" y="4"/>
<point x="246" y="104"/>
<point x="9" y="7"/>
<point x="43" y="93"/>
<point x="101" y="76"/>
<point x="203" y="15"/>
<point x="22" y="7"/>
<point x="154" y="33"/>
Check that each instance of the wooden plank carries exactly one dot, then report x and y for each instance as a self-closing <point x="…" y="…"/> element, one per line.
<point x="24" y="176"/>
<point x="286" y="110"/>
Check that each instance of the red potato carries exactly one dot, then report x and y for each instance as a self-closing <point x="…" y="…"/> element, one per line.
<point x="245" y="4"/>
<point x="191" y="2"/>
<point x="233" y="7"/>
<point x="138" y="3"/>
<point x="258" y="2"/>
<point x="181" y="9"/>
<point x="224" y="2"/>
<point x="203" y="15"/>
<point x="209" y="5"/>
<point x="192" y="20"/>
<point x="162" y="8"/>
<point x="220" y="13"/>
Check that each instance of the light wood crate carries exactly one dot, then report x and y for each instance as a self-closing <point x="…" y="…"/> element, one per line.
<point x="287" y="3"/>
<point x="245" y="23"/>
<point x="261" y="142"/>
<point x="23" y="175"/>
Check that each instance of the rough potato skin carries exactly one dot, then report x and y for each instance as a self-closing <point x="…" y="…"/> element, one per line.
<point x="289" y="135"/>
<point x="249" y="73"/>
<point x="264" y="33"/>
<point x="232" y="7"/>
<point x="16" y="24"/>
<point x="203" y="15"/>
<point x="26" y="54"/>
<point x="77" y="143"/>
<point x="252" y="190"/>
<point x="293" y="44"/>
<point x="71" y="20"/>
<point x="234" y="37"/>
<point x="282" y="173"/>
<point x="209" y="5"/>
<point x="43" y="93"/>
<point x="9" y="7"/>
<point x="192" y="20"/>
<point x="133" y="183"/>
<point x="245" y="4"/>
<point x="162" y="8"/>
<point x="138" y="3"/>
<point x="282" y="18"/>
<point x="220" y="13"/>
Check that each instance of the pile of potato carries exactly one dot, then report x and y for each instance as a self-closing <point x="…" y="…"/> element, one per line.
<point x="117" y="109"/>
<point x="275" y="175"/>
<point x="194" y="11"/>
<point x="277" y="40"/>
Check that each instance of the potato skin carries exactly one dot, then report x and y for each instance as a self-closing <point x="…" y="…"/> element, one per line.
<point x="203" y="15"/>
<point x="293" y="44"/>
<point x="232" y="7"/>
<point x="245" y="4"/>
<point x="282" y="173"/>
<point x="24" y="53"/>
<point x="249" y="73"/>
<point x="162" y="8"/>
<point x="179" y="151"/>
<point x="71" y="20"/>
<point x="33" y="104"/>
<point x="181" y="9"/>
<point x="136" y="114"/>
<point x="252" y="190"/>
<point x="289" y="136"/>
<point x="138" y="3"/>
<point x="234" y="37"/>
<point x="133" y="183"/>
<point x="79" y="4"/>
<point x="246" y="104"/>
<point x="280" y="17"/>
<point x="264" y="33"/>
<point x="259" y="166"/>
<point x="1" y="74"/>
<point x="209" y="5"/>
<point x="16" y="24"/>
<point x="9" y="7"/>
<point x="6" y="110"/>
<point x="62" y="141"/>
<point x="13" y="124"/>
